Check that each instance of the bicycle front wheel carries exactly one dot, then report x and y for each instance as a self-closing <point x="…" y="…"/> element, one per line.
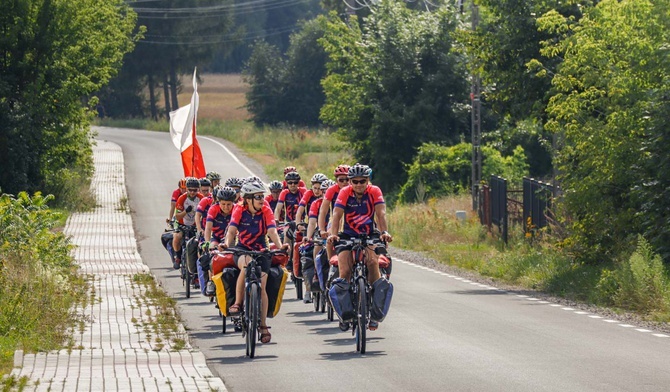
<point x="254" y="308"/>
<point x="362" y="311"/>
<point x="189" y="279"/>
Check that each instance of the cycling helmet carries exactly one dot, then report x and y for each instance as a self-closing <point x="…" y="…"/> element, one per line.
<point x="234" y="181"/>
<point x="359" y="170"/>
<point x="341" y="170"/>
<point x="226" y="193"/>
<point x="275" y="186"/>
<point x="253" y="179"/>
<point x="212" y="176"/>
<point x="292" y="176"/>
<point x="319" y="177"/>
<point x="327" y="184"/>
<point x="182" y="183"/>
<point x="289" y="169"/>
<point x="192" y="182"/>
<point x="205" y="182"/>
<point x="251" y="188"/>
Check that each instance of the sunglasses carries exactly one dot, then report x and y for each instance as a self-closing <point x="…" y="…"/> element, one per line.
<point x="356" y="182"/>
<point x="258" y="197"/>
<point x="343" y="179"/>
<point x="292" y="182"/>
<point x="192" y="190"/>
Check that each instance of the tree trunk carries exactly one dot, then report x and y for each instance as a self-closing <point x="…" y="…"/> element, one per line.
<point x="174" y="83"/>
<point x="152" y="97"/>
<point x="166" y="93"/>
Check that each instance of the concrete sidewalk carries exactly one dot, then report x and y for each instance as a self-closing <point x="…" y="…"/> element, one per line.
<point x="114" y="350"/>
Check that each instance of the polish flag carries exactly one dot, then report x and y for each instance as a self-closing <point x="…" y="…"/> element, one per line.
<point x="182" y="131"/>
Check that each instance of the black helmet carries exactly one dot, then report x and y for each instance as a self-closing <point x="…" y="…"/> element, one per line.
<point x="205" y="182"/>
<point x="213" y="176"/>
<point x="192" y="182"/>
<point x="275" y="186"/>
<point x="226" y="193"/>
<point x="359" y="170"/>
<point x="234" y="181"/>
<point x="292" y="176"/>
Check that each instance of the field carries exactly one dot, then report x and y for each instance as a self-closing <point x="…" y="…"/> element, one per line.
<point x="221" y="96"/>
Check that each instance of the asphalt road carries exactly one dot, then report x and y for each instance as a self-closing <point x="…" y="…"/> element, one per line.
<point x="441" y="334"/>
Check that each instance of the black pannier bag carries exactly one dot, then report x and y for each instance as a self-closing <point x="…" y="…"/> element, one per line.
<point x="382" y="292"/>
<point x="166" y="238"/>
<point x="340" y="297"/>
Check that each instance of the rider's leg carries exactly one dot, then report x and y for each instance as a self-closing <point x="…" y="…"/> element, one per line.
<point x="264" y="298"/>
<point x="345" y="261"/>
<point x="373" y="265"/>
<point x="239" y="286"/>
<point x="176" y="243"/>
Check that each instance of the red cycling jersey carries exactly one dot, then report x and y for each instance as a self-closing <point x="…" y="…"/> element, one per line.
<point x="252" y="228"/>
<point x="291" y="201"/>
<point x="175" y="194"/>
<point x="203" y="207"/>
<point x="359" y="215"/>
<point x="314" y="209"/>
<point x="219" y="221"/>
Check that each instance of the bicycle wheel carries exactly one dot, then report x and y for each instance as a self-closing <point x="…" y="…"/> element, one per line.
<point x="223" y="328"/>
<point x="323" y="302"/>
<point x="316" y="297"/>
<point x="331" y="312"/>
<point x="298" y="287"/>
<point x="189" y="277"/>
<point x="362" y="310"/>
<point x="254" y="306"/>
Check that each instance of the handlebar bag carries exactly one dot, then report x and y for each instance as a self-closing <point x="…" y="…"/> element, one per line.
<point x="340" y="297"/>
<point x="382" y="292"/>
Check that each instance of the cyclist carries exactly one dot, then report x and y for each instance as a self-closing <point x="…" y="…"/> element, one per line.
<point x="218" y="218"/>
<point x="310" y="195"/>
<point x="250" y="223"/>
<point x="358" y="203"/>
<point x="289" y="199"/>
<point x="185" y="214"/>
<point x="273" y="197"/>
<point x="203" y="206"/>
<point x="214" y="177"/>
<point x="235" y="183"/>
<point x="289" y="169"/>
<point x="181" y="189"/>
<point x="330" y="196"/>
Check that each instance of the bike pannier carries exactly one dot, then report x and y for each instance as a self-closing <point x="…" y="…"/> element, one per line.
<point x="277" y="277"/>
<point x="221" y="261"/>
<point x="322" y="267"/>
<point x="166" y="238"/>
<point x="382" y="292"/>
<point x="340" y="297"/>
<point x="225" y="283"/>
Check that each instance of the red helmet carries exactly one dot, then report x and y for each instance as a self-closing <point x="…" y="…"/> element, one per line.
<point x="341" y="170"/>
<point x="289" y="169"/>
<point x="182" y="183"/>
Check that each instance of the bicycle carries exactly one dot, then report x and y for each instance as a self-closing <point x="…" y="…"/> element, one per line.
<point x="186" y="275"/>
<point x="292" y="234"/>
<point x="360" y="286"/>
<point x="251" y="311"/>
<point x="318" y="295"/>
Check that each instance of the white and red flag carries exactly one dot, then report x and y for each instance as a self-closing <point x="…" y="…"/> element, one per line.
<point x="182" y="131"/>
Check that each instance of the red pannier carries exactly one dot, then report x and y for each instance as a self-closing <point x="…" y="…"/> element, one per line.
<point x="384" y="261"/>
<point x="221" y="261"/>
<point x="278" y="258"/>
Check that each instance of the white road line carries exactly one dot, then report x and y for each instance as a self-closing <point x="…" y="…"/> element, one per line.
<point x="595" y="317"/>
<point x="610" y="321"/>
<point x="642" y="330"/>
<point x="626" y="325"/>
<point x="660" y="335"/>
<point x="544" y="302"/>
<point x="581" y="312"/>
<point x="236" y="159"/>
<point x="555" y="305"/>
<point x="567" y="308"/>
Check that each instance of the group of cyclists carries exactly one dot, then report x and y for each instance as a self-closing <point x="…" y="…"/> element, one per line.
<point x="239" y="214"/>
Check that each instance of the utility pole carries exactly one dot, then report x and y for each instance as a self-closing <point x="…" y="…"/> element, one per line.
<point x="476" y="132"/>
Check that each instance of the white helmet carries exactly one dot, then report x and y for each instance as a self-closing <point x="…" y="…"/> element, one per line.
<point x="251" y="188"/>
<point x="319" y="177"/>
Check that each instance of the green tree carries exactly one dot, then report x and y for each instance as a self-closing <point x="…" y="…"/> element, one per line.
<point x="609" y="107"/>
<point x="53" y="53"/>
<point x="264" y="73"/>
<point x="393" y="84"/>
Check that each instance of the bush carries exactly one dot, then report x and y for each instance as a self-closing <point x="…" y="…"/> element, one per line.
<point x="641" y="282"/>
<point x="38" y="278"/>
<point x="446" y="170"/>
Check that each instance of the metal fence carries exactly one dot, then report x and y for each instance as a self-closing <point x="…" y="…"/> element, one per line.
<point x="537" y="200"/>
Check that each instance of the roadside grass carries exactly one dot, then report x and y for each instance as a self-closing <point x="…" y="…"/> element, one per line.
<point x="159" y="319"/>
<point x="39" y="282"/>
<point x="637" y="283"/>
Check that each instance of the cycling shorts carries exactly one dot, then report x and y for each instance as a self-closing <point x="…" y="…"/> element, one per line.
<point x="264" y="261"/>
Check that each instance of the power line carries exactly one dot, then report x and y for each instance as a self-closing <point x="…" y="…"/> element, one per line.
<point x="196" y="42"/>
<point x="213" y="11"/>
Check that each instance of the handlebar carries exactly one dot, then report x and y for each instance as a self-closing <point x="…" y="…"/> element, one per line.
<point x="252" y="253"/>
<point x="364" y="240"/>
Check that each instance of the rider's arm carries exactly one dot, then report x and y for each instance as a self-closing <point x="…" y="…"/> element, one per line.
<point x="208" y="231"/>
<point x="172" y="208"/>
<point x="198" y="220"/>
<point x="311" y="226"/>
<point x="337" y="218"/>
<point x="380" y="213"/>
<point x="230" y="235"/>
<point x="274" y="237"/>
<point x="298" y="214"/>
<point x="323" y="211"/>
<point x="180" y="215"/>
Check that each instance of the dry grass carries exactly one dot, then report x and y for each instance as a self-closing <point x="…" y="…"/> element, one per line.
<point x="222" y="96"/>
